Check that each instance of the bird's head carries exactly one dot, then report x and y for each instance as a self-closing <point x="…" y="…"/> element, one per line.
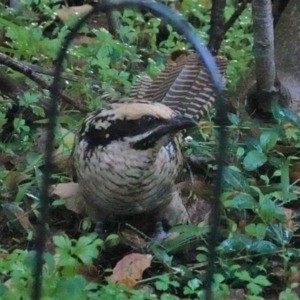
<point x="142" y="125"/>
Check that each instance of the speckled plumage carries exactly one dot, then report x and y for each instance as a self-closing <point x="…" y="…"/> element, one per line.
<point x="116" y="179"/>
<point x="128" y="154"/>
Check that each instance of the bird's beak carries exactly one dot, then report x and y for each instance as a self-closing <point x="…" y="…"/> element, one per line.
<point x="171" y="127"/>
<point x="174" y="125"/>
<point x="180" y="122"/>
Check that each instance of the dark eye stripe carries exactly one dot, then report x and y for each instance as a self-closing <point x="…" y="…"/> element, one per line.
<point x="117" y="130"/>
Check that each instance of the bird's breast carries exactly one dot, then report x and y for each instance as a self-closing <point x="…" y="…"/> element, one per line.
<point x="121" y="180"/>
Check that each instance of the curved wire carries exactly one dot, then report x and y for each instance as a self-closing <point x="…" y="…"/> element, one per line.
<point x="183" y="27"/>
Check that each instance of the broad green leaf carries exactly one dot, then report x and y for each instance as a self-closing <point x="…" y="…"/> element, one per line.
<point x="243" y="275"/>
<point x="268" y="140"/>
<point x="262" y="280"/>
<point x="254" y="288"/>
<point x="243" y="201"/>
<point x="269" y="211"/>
<point x="279" y="234"/>
<point x="240" y="152"/>
<point x="254" y="159"/>
<point x="62" y="242"/>
<point x="71" y="287"/>
<point x="258" y="231"/>
<point x="201" y="258"/>
<point x="263" y="247"/>
<point x="237" y="243"/>
<point x="236" y="180"/>
<point x="254" y="144"/>
<point x="234" y="119"/>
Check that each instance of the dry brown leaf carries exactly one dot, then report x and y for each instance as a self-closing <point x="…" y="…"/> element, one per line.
<point x="14" y="178"/>
<point x="68" y="12"/>
<point x="289" y="215"/>
<point x="130" y="268"/>
<point x="133" y="239"/>
<point x="198" y="187"/>
<point x="199" y="211"/>
<point x="295" y="173"/>
<point x="89" y="272"/>
<point x="69" y="193"/>
<point x="17" y="216"/>
<point x="238" y="294"/>
<point x="128" y="282"/>
<point x="177" y="56"/>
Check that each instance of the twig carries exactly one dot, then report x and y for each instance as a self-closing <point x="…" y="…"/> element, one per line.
<point x="25" y="70"/>
<point x="235" y="16"/>
<point x="65" y="76"/>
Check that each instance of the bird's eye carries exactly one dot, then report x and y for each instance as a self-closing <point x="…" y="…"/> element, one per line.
<point x="147" y="119"/>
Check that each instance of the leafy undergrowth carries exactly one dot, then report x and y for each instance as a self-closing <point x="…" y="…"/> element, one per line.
<point x="258" y="250"/>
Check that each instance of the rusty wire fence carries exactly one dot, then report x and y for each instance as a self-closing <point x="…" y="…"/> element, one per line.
<point x="182" y="27"/>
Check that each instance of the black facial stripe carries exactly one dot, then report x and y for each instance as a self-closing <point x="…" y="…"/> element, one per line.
<point x="119" y="129"/>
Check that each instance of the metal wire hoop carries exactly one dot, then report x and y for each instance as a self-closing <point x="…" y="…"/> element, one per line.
<point x="182" y="27"/>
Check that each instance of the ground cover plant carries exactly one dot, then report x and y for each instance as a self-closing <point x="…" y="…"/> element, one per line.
<point x="258" y="250"/>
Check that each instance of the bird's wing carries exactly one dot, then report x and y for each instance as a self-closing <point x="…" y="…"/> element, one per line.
<point x="185" y="86"/>
<point x="140" y="87"/>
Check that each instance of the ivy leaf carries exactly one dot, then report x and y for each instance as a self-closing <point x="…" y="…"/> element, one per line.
<point x="263" y="247"/>
<point x="279" y="234"/>
<point x="236" y="180"/>
<point x="243" y="201"/>
<point x="254" y="144"/>
<point x="254" y="159"/>
<point x="237" y="243"/>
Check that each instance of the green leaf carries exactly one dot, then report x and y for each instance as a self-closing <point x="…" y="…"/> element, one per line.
<point x="262" y="280"/>
<point x="240" y="152"/>
<point x="268" y="140"/>
<point x="254" y="159"/>
<point x="194" y="284"/>
<point x="279" y="234"/>
<point x="269" y="211"/>
<point x="234" y="119"/>
<point x="201" y="258"/>
<point x="237" y="243"/>
<point x="254" y="144"/>
<point x="165" y="296"/>
<point x="71" y="287"/>
<point x="3" y="289"/>
<point x="258" y="231"/>
<point x="236" y="180"/>
<point x="254" y="288"/>
<point x="243" y="275"/>
<point x="86" y="248"/>
<point x="253" y="297"/>
<point x="243" y="201"/>
<point x="263" y="247"/>
<point x="62" y="242"/>
<point x="163" y="283"/>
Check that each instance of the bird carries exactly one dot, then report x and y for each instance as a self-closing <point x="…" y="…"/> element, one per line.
<point x="128" y="153"/>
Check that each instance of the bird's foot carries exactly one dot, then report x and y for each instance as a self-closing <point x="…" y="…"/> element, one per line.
<point x="159" y="233"/>
<point x="100" y="230"/>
